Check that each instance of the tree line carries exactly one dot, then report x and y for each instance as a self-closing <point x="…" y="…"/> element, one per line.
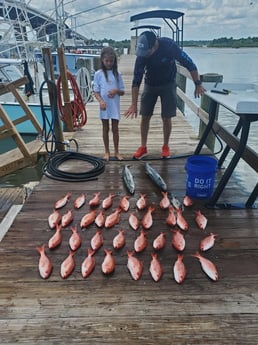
<point x="222" y="42"/>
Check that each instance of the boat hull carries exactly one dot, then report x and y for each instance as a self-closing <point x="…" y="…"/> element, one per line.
<point x="15" y="111"/>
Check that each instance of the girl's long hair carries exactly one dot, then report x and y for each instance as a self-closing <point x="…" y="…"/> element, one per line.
<point x="109" y="52"/>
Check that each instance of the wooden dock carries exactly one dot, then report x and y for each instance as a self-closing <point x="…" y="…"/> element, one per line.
<point x="116" y="309"/>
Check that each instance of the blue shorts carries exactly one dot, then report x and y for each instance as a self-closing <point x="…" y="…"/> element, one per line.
<point x="168" y="99"/>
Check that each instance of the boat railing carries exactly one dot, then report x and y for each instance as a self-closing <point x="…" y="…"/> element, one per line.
<point x="249" y="155"/>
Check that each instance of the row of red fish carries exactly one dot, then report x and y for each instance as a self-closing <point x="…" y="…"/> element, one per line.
<point x="134" y="265"/>
<point x="81" y="200"/>
<point x="175" y="217"/>
<point x="178" y="240"/>
<point x="45" y="264"/>
<point x="140" y="243"/>
<point x="124" y="203"/>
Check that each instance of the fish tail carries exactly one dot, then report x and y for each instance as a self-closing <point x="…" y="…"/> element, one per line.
<point x="41" y="249"/>
<point x="91" y="252"/>
<point x="196" y="255"/>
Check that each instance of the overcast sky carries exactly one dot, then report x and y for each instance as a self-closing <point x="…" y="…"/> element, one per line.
<point x="203" y="19"/>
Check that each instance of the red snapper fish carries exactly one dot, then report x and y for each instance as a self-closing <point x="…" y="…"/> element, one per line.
<point x="63" y="201"/>
<point x="108" y="264"/>
<point x="155" y="269"/>
<point x="134" y="221"/>
<point x="201" y="220"/>
<point x="45" y="265"/>
<point x="134" y="265"/>
<point x="164" y="202"/>
<point x="208" y="242"/>
<point x="178" y="240"/>
<point x="97" y="240"/>
<point x="140" y="242"/>
<point x="108" y="201"/>
<point x="141" y="202"/>
<point x="95" y="201"/>
<point x="100" y="219"/>
<point x="68" y="265"/>
<point x="179" y="269"/>
<point x="75" y="239"/>
<point x="79" y="201"/>
<point x="119" y="240"/>
<point x="54" y="219"/>
<point x="187" y="201"/>
<point x="88" y="264"/>
<point x="67" y="218"/>
<point x="147" y="220"/>
<point x="124" y="203"/>
<point x="160" y="241"/>
<point x="181" y="221"/>
<point x="88" y="219"/>
<point x="171" y="218"/>
<point x="113" y="218"/>
<point x="207" y="266"/>
<point x="56" y="239"/>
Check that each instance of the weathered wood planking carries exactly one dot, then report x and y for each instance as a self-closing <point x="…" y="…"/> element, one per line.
<point x="14" y="160"/>
<point x="8" y="197"/>
<point x="90" y="139"/>
<point x="115" y="309"/>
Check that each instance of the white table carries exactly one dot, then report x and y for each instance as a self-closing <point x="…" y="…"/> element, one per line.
<point x="242" y="100"/>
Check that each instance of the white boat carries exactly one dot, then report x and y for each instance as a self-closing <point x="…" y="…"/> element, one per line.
<point x="18" y="43"/>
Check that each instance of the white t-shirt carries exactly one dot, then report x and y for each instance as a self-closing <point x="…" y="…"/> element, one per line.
<point x="102" y="86"/>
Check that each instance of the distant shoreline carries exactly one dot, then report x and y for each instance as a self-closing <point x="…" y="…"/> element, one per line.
<point x="224" y="42"/>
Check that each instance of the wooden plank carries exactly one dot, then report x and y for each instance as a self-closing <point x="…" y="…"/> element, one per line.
<point x="13" y="160"/>
<point x="112" y="309"/>
<point x="29" y="114"/>
<point x="14" y="133"/>
<point x="116" y="309"/>
<point x="8" y="220"/>
<point x="9" y="196"/>
<point x="4" y="87"/>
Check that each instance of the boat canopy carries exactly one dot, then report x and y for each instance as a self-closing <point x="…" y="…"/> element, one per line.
<point x="154" y="28"/>
<point x="173" y="19"/>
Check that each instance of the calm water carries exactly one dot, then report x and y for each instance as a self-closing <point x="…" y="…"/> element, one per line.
<point x="236" y="66"/>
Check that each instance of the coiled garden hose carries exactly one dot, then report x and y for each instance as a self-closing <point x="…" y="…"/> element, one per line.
<point x="51" y="167"/>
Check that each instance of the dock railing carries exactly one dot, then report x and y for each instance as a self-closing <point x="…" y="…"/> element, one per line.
<point x="249" y="155"/>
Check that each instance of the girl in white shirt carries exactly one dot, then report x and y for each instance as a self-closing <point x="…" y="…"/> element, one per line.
<point x="108" y="87"/>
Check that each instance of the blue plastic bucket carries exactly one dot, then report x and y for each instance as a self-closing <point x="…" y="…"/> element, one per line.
<point x="201" y="171"/>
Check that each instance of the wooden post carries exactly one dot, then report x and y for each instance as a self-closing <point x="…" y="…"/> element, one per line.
<point x="68" y="122"/>
<point x="50" y="75"/>
<point x="205" y="105"/>
<point x="48" y="64"/>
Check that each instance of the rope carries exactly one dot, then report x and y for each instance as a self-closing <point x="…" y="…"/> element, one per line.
<point x="51" y="167"/>
<point x="79" y="113"/>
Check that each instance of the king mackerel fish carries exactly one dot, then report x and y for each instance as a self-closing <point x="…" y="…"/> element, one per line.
<point x="128" y="179"/>
<point x="155" y="177"/>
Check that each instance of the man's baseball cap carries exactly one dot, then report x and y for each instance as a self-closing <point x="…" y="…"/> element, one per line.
<point x="145" y="42"/>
